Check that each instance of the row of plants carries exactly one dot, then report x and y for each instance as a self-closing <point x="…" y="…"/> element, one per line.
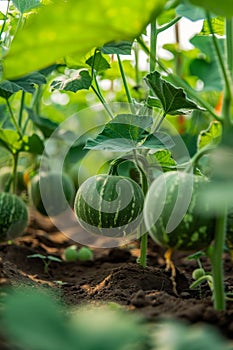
<point x="169" y="169"/>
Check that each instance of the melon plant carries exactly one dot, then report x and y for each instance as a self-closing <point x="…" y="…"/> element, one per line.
<point x="13" y="216"/>
<point x="109" y="204"/>
<point x="195" y="230"/>
<point x="54" y="202"/>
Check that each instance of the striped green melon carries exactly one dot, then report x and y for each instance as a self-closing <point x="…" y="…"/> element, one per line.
<point x="187" y="225"/>
<point x="13" y="216"/>
<point x="54" y="198"/>
<point x="109" y="205"/>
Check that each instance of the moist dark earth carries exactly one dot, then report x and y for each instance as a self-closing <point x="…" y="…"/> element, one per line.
<point x="114" y="276"/>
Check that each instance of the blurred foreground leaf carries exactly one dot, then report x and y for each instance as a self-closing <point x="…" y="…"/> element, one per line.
<point x="63" y="28"/>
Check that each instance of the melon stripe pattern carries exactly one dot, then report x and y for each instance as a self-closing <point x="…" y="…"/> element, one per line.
<point x="109" y="205"/>
<point x="13" y="216"/>
<point x="195" y="230"/>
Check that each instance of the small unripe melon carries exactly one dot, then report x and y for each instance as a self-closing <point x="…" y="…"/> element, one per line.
<point x="13" y="216"/>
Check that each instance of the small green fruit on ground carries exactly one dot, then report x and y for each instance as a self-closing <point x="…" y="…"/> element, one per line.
<point x="55" y="199"/>
<point x="71" y="253"/>
<point x="196" y="229"/>
<point x="85" y="254"/>
<point x="109" y="205"/>
<point x="13" y="216"/>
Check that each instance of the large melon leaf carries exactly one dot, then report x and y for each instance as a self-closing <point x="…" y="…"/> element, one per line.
<point x="75" y="27"/>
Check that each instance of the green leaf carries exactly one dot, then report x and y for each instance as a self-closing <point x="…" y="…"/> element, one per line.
<point x="207" y="68"/>
<point x="39" y="256"/>
<point x="26" y="5"/>
<point x="174" y="100"/>
<point x="26" y="83"/>
<point x="75" y="27"/>
<point x="33" y="144"/>
<point x="218" y="25"/>
<point x="222" y="8"/>
<point x="29" y="313"/>
<point x="211" y="136"/>
<point x="11" y="140"/>
<point x="45" y="125"/>
<point x="194" y="13"/>
<point x="98" y="62"/>
<point x="127" y="132"/>
<point x="120" y="48"/>
<point x="53" y="258"/>
<point x="164" y="158"/>
<point x="83" y="81"/>
<point x="154" y="102"/>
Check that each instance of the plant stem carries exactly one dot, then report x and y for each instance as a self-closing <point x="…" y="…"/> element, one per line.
<point x="21" y="109"/>
<point x="102" y="100"/>
<point x="160" y="122"/>
<point x="13" y="118"/>
<point x="129" y="98"/>
<point x="167" y="26"/>
<point x="153" y="45"/>
<point x="180" y="82"/>
<point x="14" y="172"/>
<point x="229" y="44"/>
<point x="137" y="77"/>
<point x="217" y="263"/>
<point x="142" y="234"/>
<point x="227" y="80"/>
<point x="143" y="245"/>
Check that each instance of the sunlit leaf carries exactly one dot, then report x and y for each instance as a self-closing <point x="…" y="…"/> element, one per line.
<point x="10" y="140"/>
<point x="210" y="136"/>
<point x="82" y="81"/>
<point x="173" y="99"/>
<point x="218" y="25"/>
<point x="75" y="27"/>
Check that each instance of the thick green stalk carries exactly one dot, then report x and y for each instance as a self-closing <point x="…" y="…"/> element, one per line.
<point x="217" y="263"/>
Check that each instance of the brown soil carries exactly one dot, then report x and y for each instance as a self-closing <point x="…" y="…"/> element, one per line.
<point x="114" y="276"/>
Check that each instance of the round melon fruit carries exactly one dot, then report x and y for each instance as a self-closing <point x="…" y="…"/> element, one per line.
<point x="13" y="216"/>
<point x="51" y="193"/>
<point x="109" y="205"/>
<point x="195" y="229"/>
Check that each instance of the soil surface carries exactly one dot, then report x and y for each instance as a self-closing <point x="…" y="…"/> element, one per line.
<point x="114" y="276"/>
